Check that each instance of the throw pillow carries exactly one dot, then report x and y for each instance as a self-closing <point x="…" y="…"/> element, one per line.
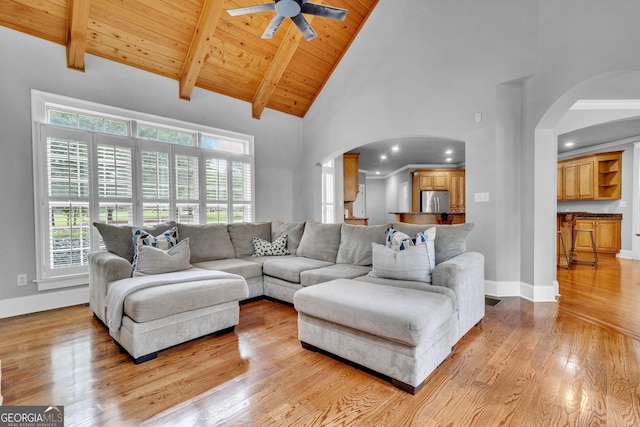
<point x="117" y="238"/>
<point x="164" y="241"/>
<point x="263" y="247"/>
<point x="152" y="260"/>
<point x="428" y="238"/>
<point x="397" y="240"/>
<point x="411" y="263"/>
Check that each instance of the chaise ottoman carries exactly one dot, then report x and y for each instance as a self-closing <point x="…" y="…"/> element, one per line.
<point x="401" y="333"/>
<point x="181" y="306"/>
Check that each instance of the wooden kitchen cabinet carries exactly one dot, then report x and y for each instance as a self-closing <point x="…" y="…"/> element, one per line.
<point x="590" y="177"/>
<point x="350" y="176"/>
<point x="606" y="234"/>
<point x="452" y="180"/>
<point x="578" y="180"/>
<point x="457" y="190"/>
<point x="434" y="180"/>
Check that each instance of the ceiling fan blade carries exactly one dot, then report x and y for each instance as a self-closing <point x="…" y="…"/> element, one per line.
<point x="251" y="9"/>
<point x="324" y="11"/>
<point x="304" y="27"/>
<point x="273" y="26"/>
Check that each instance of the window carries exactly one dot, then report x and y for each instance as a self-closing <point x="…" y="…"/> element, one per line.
<point x="94" y="163"/>
<point x="328" y="191"/>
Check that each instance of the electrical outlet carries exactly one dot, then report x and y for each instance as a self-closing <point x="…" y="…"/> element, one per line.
<point x="22" y="280"/>
<point x="623" y="204"/>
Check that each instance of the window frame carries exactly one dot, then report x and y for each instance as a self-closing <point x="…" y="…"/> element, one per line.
<point x="48" y="277"/>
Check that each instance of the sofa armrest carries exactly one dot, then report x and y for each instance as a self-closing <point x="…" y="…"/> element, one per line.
<point x="104" y="268"/>
<point x="464" y="274"/>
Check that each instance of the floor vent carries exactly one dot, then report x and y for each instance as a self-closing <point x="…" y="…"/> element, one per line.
<point x="492" y="301"/>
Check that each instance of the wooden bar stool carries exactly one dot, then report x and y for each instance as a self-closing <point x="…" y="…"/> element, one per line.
<point x="564" y="252"/>
<point x="593" y="247"/>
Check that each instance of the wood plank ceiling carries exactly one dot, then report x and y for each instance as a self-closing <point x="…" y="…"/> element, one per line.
<point x="198" y="44"/>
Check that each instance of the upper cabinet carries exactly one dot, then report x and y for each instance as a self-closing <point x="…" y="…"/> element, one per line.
<point x="591" y="177"/>
<point x="350" y="176"/>
<point x="452" y="180"/>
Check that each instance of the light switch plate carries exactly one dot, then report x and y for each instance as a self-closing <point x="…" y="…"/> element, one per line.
<point x="481" y="197"/>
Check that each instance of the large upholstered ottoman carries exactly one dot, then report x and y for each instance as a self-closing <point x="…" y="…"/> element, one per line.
<point x="401" y="333"/>
<point x="180" y="308"/>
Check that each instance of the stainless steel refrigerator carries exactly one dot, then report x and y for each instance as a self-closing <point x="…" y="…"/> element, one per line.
<point x="434" y="201"/>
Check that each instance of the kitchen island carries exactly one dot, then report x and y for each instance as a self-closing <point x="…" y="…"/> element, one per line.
<point x="430" y="218"/>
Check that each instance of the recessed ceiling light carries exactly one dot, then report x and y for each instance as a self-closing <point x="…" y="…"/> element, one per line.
<point x="448" y="152"/>
<point x="569" y="144"/>
<point x="383" y="157"/>
<point x="395" y="148"/>
<point x="449" y="159"/>
<point x="377" y="172"/>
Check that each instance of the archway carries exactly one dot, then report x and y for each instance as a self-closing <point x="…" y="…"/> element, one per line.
<point x="613" y="85"/>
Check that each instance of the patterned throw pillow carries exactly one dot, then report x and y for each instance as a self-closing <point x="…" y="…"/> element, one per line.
<point x="263" y="248"/>
<point x="397" y="240"/>
<point x="428" y="237"/>
<point x="164" y="241"/>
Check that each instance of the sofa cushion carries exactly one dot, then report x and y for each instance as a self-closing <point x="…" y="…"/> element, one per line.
<point x="320" y="241"/>
<point x="242" y="235"/>
<point x="117" y="238"/>
<point x="263" y="247"/>
<point x="355" y="243"/>
<point x="152" y="260"/>
<point x="451" y="240"/>
<point x="207" y="242"/>
<point x="336" y="271"/>
<point x="412" y="263"/>
<point x="289" y="268"/>
<point x="293" y="230"/>
<point x="408" y="316"/>
<point x="412" y="284"/>
<point x="158" y="302"/>
<point x="242" y="267"/>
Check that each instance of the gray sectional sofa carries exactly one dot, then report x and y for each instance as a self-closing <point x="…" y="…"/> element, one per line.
<point x="330" y="256"/>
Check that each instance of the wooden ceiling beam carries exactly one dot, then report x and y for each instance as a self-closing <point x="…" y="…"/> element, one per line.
<point x="199" y="47"/>
<point x="277" y="68"/>
<point x="77" y="40"/>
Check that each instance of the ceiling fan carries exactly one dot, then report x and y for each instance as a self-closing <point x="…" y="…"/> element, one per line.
<point x="293" y="9"/>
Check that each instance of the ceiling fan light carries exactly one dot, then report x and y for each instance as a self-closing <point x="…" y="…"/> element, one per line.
<point x="288" y="8"/>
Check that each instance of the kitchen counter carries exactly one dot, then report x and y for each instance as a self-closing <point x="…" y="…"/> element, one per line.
<point x="429" y="218"/>
<point x="568" y="216"/>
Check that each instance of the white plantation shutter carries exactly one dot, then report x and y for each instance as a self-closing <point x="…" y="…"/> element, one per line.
<point x="328" y="193"/>
<point x="187" y="189"/>
<point x="156" y="184"/>
<point x="114" y="158"/>
<point x="217" y="190"/>
<point x="242" y="191"/>
<point x="66" y="201"/>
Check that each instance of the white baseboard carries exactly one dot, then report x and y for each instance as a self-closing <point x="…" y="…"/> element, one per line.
<point x="43" y="301"/>
<point x="522" y="290"/>
<point x="624" y="253"/>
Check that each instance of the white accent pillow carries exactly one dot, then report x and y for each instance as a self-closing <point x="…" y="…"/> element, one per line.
<point x="153" y="260"/>
<point x="412" y="263"/>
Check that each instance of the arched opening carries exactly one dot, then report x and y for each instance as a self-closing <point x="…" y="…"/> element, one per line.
<point x="614" y="85"/>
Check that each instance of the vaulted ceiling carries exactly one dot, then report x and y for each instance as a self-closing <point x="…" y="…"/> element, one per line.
<point x="198" y="44"/>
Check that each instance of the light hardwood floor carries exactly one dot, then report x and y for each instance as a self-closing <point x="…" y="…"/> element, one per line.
<point x="525" y="365"/>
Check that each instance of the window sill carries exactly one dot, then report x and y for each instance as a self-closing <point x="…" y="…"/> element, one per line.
<point x="62" y="282"/>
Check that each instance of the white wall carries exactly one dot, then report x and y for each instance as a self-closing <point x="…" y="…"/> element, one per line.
<point x="585" y="48"/>
<point x="376" y="202"/>
<point x="32" y="63"/>
<point x="424" y="69"/>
